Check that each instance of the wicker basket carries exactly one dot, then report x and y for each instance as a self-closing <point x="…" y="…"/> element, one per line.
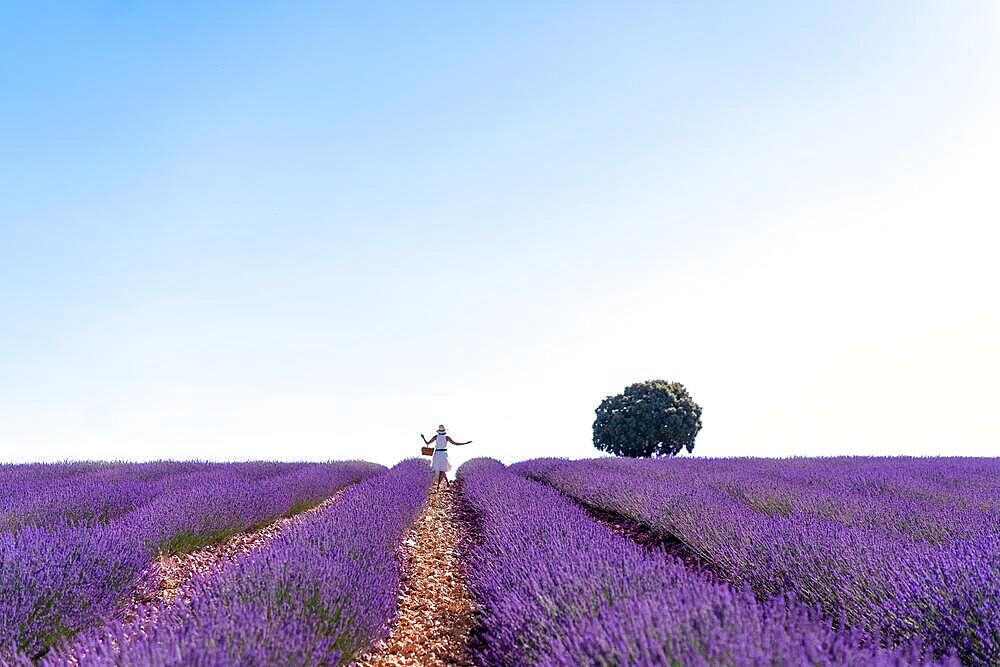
<point x="427" y="451"/>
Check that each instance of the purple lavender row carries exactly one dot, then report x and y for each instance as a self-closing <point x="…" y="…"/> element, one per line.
<point x="887" y="580"/>
<point x="555" y="587"/>
<point x="54" y="582"/>
<point x="318" y="594"/>
<point x="27" y="472"/>
<point x="183" y="519"/>
<point x="932" y="499"/>
<point x="94" y="493"/>
<point x="60" y="579"/>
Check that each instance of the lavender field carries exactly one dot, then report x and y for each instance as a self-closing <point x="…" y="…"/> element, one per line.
<point x="843" y="561"/>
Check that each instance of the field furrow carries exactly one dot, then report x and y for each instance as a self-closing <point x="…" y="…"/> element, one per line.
<point x="864" y="542"/>
<point x="65" y="572"/>
<point x="644" y="536"/>
<point x="553" y="586"/>
<point x="320" y="592"/>
<point x="435" y="606"/>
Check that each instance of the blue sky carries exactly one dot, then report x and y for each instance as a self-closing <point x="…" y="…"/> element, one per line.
<point x="277" y="230"/>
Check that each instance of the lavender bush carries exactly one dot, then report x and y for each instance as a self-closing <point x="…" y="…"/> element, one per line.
<point x="190" y="516"/>
<point x="900" y="549"/>
<point x="93" y="493"/>
<point x="90" y="494"/>
<point x="54" y="582"/>
<point x="555" y="587"/>
<point x="318" y="594"/>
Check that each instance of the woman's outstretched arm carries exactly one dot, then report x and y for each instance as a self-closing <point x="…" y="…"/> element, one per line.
<point x="426" y="441"/>
<point x="467" y="442"/>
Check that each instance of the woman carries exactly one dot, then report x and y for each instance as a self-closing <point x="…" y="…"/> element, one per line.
<point x="439" y="463"/>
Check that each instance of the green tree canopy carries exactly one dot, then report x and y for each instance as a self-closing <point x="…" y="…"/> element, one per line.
<point x="653" y="418"/>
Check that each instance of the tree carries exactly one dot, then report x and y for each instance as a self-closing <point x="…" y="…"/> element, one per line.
<point x="653" y="418"/>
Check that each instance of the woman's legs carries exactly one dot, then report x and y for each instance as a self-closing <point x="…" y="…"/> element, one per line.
<point x="437" y="477"/>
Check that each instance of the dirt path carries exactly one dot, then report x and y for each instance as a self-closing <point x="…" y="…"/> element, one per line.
<point x="645" y="536"/>
<point x="435" y="607"/>
<point x="165" y="580"/>
<point x="169" y="574"/>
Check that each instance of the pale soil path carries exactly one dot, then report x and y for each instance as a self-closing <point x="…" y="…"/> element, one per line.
<point x="649" y="539"/>
<point x="435" y="606"/>
<point x="646" y="537"/>
<point x="169" y="574"/>
<point x="166" y="579"/>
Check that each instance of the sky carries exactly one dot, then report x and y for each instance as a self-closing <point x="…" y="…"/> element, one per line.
<point x="237" y="231"/>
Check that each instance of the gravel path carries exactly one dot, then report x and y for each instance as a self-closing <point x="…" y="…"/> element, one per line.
<point x="435" y="607"/>
<point x="646" y="537"/>
<point x="169" y="574"/>
<point x="165" y="580"/>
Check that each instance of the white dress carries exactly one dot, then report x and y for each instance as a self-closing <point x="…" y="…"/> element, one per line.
<point x="439" y="462"/>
